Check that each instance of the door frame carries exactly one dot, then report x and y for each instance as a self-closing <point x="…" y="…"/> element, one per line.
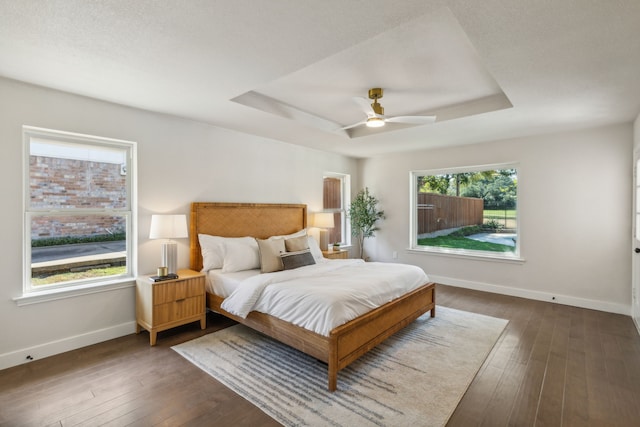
<point x="635" y="242"/>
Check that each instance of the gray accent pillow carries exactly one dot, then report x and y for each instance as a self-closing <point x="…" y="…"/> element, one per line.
<point x="291" y="260"/>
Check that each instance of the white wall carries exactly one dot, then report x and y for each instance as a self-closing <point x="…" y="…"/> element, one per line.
<point x="574" y="200"/>
<point x="576" y="243"/>
<point x="179" y="161"/>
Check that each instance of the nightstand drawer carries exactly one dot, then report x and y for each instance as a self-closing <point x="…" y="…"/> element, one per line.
<point x="177" y="310"/>
<point x="173" y="291"/>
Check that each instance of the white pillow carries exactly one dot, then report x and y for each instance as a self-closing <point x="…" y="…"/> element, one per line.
<point x="302" y="232"/>
<point x="240" y="255"/>
<point x="212" y="249"/>
<point x="314" y="247"/>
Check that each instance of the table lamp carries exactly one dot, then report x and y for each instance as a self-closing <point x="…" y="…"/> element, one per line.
<point x="323" y="221"/>
<point x="169" y="227"/>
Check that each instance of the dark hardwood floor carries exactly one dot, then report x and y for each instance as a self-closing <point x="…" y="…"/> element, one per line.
<point x="553" y="366"/>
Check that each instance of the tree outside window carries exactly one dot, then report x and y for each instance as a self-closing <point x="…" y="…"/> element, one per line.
<point x="471" y="210"/>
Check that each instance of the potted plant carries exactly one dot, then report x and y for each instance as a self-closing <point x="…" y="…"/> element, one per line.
<point x="363" y="215"/>
<point x="336" y="246"/>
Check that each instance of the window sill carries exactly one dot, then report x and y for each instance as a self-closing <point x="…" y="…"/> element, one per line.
<point x="70" y="292"/>
<point x="476" y="255"/>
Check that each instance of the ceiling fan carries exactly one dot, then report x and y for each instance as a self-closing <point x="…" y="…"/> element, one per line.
<point x="375" y="113"/>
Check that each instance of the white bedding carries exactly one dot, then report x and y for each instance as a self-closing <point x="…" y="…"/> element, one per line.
<point x="223" y="284"/>
<point x="323" y="296"/>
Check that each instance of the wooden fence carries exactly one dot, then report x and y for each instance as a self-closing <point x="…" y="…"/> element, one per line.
<point x="439" y="212"/>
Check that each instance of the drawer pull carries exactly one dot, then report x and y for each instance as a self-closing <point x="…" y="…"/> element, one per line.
<point x="180" y="300"/>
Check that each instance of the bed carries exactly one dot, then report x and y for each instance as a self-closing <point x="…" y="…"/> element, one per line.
<point x="344" y="343"/>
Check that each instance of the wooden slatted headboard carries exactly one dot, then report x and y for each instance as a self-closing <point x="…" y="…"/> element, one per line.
<point x="259" y="220"/>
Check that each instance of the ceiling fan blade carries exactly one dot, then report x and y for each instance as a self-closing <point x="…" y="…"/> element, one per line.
<point x="365" y="105"/>
<point x="353" y="125"/>
<point x="415" y="120"/>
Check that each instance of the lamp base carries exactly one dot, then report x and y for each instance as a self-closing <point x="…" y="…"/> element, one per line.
<point x="170" y="257"/>
<point x="324" y="240"/>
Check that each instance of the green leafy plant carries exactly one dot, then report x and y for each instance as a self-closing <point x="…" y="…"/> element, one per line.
<point x="492" y="224"/>
<point x="466" y="231"/>
<point x="363" y="215"/>
<point x="72" y="240"/>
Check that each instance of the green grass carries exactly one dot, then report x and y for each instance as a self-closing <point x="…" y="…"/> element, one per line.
<point x="499" y="213"/>
<point x="464" y="243"/>
<point x="79" y="275"/>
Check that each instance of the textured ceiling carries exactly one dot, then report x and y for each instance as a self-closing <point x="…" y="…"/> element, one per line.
<point x="424" y="66"/>
<point x="288" y="69"/>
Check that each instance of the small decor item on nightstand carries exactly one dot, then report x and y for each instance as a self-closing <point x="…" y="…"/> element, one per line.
<point x="165" y="277"/>
<point x="336" y="246"/>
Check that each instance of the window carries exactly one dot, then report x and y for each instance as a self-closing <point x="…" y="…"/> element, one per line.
<point x="79" y="217"/>
<point x="468" y="211"/>
<point x="335" y="196"/>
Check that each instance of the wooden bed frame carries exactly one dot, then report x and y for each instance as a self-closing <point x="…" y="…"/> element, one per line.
<point x="345" y="343"/>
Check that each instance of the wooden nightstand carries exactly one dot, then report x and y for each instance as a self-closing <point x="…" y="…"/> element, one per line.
<point x="341" y="254"/>
<point x="170" y="303"/>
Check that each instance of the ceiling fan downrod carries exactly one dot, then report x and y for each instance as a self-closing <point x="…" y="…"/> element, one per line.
<point x="375" y="94"/>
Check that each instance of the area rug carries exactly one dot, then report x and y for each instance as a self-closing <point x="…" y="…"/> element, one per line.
<point x="415" y="378"/>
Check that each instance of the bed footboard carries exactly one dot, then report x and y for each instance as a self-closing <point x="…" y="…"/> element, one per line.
<point x="345" y="343"/>
<point x="355" y="338"/>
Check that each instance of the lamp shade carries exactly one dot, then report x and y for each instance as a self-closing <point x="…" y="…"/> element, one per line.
<point x="168" y="227"/>
<point x="323" y="220"/>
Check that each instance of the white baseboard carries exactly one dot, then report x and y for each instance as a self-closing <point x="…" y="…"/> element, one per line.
<point x="41" y="351"/>
<point x="609" y="307"/>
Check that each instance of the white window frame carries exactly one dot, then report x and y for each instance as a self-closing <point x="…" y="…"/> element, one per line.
<point x="32" y="294"/>
<point x="345" y="192"/>
<point x="433" y="250"/>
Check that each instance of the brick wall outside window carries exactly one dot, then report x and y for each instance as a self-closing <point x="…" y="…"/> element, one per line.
<point x="61" y="184"/>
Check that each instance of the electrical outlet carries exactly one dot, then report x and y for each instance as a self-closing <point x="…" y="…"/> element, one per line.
<point x="394" y="255"/>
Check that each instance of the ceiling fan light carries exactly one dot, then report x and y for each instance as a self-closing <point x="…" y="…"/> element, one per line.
<point x="375" y="122"/>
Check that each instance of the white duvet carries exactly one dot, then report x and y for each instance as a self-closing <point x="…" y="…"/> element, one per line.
<point x="323" y="296"/>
